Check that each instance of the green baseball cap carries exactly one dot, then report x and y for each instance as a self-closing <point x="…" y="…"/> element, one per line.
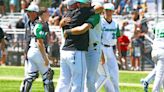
<point x="82" y="1"/>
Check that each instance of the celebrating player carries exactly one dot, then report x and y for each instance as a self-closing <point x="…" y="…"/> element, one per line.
<point x="73" y="52"/>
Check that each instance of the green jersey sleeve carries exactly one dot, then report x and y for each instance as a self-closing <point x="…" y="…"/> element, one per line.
<point x="118" y="32"/>
<point x="94" y="20"/>
<point x="39" y="32"/>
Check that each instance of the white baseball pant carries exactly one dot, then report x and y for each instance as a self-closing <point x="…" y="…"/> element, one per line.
<point x="104" y="78"/>
<point x="92" y="61"/>
<point x="72" y="71"/>
<point x="159" y="54"/>
<point x="111" y="61"/>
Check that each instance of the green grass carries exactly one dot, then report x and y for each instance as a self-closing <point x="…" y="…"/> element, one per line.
<point x="11" y="77"/>
<point x="132" y="89"/>
<point x="126" y="77"/>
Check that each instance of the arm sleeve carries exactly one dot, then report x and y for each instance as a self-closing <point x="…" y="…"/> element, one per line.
<point x="94" y="20"/>
<point x="39" y="32"/>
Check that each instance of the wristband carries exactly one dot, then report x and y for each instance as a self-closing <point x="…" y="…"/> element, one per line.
<point x="68" y="32"/>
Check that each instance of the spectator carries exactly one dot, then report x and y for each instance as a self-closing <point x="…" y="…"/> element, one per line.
<point x="28" y="2"/>
<point x="143" y="21"/>
<point x="2" y="7"/>
<point x="135" y="23"/>
<point x="54" y="48"/>
<point x="144" y="5"/>
<point x="127" y="8"/>
<point x="23" y="6"/>
<point x="13" y="4"/>
<point x="144" y="30"/>
<point x="20" y="24"/>
<point x="55" y="17"/>
<point x="136" y="4"/>
<point x="124" y="42"/>
<point x="51" y="9"/>
<point x="62" y="8"/>
<point x="54" y="20"/>
<point x="121" y="8"/>
<point x="2" y="47"/>
<point x="136" y="49"/>
<point x="56" y="3"/>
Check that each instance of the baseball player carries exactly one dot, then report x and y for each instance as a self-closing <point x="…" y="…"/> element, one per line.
<point x="110" y="33"/>
<point x="37" y="59"/>
<point x="73" y="59"/>
<point x="158" y="56"/>
<point x="2" y="48"/>
<point x="93" y="54"/>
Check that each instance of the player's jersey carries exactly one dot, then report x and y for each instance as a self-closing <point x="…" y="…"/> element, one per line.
<point x="159" y="36"/>
<point x="38" y="33"/>
<point x="110" y="32"/>
<point x="78" y="17"/>
<point x="95" y="34"/>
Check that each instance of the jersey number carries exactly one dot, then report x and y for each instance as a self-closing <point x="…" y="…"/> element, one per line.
<point x="113" y="36"/>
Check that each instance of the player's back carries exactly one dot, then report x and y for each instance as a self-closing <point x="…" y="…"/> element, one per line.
<point x="78" y="17"/>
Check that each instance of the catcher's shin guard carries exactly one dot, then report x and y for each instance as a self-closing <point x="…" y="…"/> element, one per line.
<point x="26" y="86"/>
<point x="27" y="83"/>
<point x="49" y="87"/>
<point x="48" y="81"/>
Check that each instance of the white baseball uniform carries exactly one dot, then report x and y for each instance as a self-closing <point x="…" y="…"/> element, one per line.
<point x="158" y="54"/>
<point x="93" y="56"/>
<point x="110" y="31"/>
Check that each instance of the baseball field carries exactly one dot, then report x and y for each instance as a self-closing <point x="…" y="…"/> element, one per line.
<point x="11" y="77"/>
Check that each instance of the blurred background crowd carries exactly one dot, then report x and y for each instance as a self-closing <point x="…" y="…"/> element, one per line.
<point x="128" y="13"/>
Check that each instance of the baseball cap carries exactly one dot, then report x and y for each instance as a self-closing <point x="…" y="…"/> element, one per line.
<point x="109" y="6"/>
<point x="69" y="2"/>
<point x="33" y="8"/>
<point x="82" y="1"/>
